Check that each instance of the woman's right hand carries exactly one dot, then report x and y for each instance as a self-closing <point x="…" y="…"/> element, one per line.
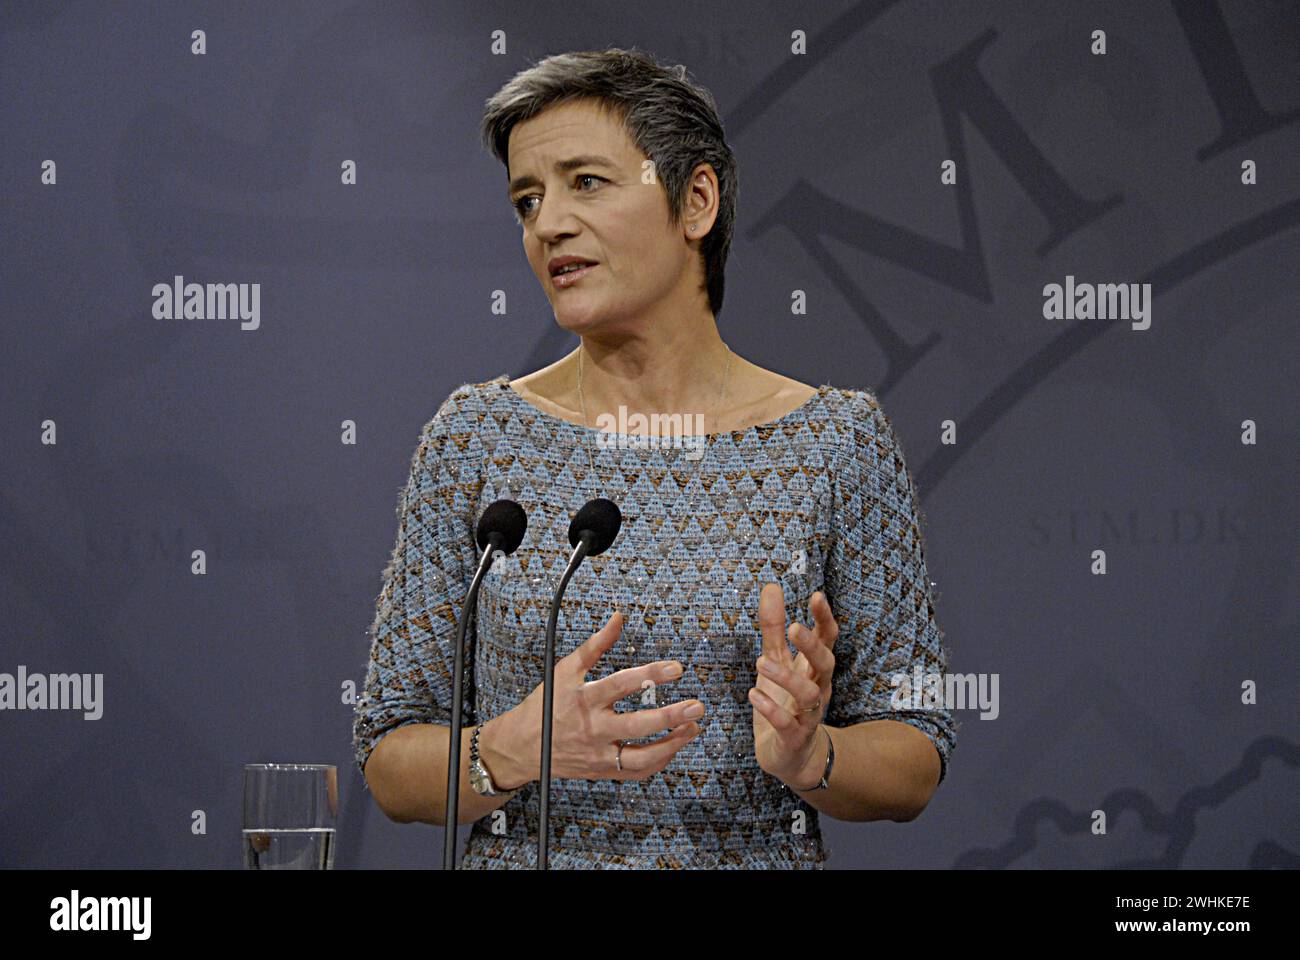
<point x="585" y="728"/>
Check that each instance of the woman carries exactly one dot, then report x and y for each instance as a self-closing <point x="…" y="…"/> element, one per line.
<point x="797" y="501"/>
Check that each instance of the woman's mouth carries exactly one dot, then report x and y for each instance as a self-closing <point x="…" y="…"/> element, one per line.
<point x="562" y="280"/>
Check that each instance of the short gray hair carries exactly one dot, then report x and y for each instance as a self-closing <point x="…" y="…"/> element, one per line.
<point x="671" y="119"/>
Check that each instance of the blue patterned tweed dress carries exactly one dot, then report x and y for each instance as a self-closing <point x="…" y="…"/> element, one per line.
<point x="819" y="499"/>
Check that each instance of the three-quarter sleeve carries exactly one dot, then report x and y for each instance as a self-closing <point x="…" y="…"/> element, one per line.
<point x="412" y="656"/>
<point x="879" y="588"/>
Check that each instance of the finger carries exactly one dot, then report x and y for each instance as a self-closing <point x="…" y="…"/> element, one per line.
<point x="634" y="724"/>
<point x="804" y="691"/>
<point x="639" y="758"/>
<point x="800" y="664"/>
<point x="788" y="728"/>
<point x="828" y="630"/>
<point x="817" y="657"/>
<point x="606" y="691"/>
<point x="589" y="652"/>
<point x="771" y="623"/>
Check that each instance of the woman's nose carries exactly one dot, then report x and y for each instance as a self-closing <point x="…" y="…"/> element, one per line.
<point x="554" y="220"/>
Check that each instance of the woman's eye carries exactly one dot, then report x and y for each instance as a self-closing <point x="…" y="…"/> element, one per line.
<point x="521" y="212"/>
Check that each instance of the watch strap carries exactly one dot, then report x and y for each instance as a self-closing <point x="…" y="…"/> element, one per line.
<point x="476" y="764"/>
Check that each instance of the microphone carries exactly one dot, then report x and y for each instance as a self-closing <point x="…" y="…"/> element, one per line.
<point x="501" y="528"/>
<point x="503" y="525"/>
<point x="591" y="533"/>
<point x="597" y="523"/>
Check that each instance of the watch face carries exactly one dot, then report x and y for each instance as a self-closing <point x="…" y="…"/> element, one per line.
<point x="478" y="779"/>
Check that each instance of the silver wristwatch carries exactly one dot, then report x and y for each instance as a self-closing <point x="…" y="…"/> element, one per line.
<point x="479" y="778"/>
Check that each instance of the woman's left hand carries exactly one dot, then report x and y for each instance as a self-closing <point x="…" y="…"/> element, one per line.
<point x="790" y="696"/>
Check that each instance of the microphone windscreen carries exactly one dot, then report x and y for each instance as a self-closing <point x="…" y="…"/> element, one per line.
<point x="504" y="517"/>
<point x="602" y="518"/>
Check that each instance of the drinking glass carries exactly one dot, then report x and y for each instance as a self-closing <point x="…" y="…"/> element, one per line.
<point x="290" y="813"/>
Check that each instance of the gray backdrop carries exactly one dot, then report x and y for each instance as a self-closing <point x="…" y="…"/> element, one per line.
<point x="1120" y="692"/>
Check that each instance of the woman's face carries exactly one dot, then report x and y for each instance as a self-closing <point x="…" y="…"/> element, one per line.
<point x="599" y="210"/>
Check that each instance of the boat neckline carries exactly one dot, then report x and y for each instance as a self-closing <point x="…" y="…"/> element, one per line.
<point x="503" y="381"/>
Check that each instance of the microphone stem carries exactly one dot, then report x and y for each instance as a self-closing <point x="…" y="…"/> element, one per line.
<point x="543" y="822"/>
<point x="457" y="683"/>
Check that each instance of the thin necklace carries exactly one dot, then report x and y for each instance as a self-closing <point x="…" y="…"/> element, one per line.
<point x="592" y="464"/>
